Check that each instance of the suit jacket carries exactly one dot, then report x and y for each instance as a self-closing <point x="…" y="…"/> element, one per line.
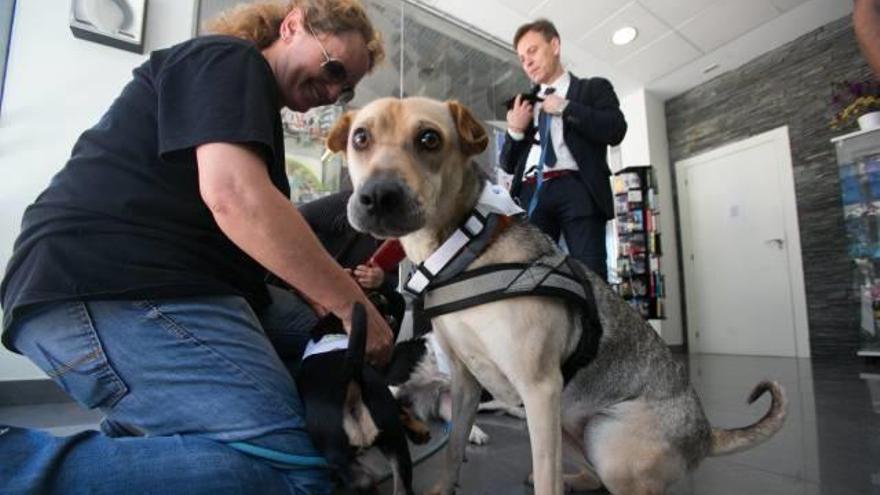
<point x="590" y="123"/>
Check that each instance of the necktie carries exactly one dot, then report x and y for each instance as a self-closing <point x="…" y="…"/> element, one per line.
<point x="548" y="154"/>
<point x="544" y="131"/>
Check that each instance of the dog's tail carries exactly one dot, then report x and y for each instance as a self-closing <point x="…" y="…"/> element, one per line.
<point x="730" y="441"/>
<point x="357" y="343"/>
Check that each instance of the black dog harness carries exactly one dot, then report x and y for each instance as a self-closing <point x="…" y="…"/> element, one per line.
<point x="447" y="288"/>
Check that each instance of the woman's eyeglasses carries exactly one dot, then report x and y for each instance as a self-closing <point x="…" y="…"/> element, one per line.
<point x="335" y="71"/>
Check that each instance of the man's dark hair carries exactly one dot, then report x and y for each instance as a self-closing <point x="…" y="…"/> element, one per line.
<point x="543" y="26"/>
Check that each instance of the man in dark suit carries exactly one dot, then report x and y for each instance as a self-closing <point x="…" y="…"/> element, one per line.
<point x="568" y="191"/>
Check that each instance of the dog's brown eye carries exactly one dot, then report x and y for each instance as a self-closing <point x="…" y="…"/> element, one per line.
<point x="429" y="140"/>
<point x="360" y="139"/>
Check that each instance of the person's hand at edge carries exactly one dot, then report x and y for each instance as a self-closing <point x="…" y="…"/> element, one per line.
<point x="369" y="276"/>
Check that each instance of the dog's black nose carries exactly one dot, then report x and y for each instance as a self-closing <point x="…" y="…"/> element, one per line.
<point x="379" y="197"/>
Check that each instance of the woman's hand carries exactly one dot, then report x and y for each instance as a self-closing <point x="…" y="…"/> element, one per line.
<point x="259" y="219"/>
<point x="380" y="338"/>
<point x="369" y="276"/>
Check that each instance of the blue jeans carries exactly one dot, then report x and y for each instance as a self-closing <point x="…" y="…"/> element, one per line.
<point x="196" y="399"/>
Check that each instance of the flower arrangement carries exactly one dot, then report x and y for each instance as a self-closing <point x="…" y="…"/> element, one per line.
<point x="852" y="99"/>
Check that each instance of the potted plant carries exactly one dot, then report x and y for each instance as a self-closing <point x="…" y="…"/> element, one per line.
<point x="856" y="100"/>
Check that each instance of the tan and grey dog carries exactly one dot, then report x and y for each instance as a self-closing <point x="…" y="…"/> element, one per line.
<point x="631" y="419"/>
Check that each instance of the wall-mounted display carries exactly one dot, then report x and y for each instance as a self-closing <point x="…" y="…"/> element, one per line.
<point x="638" y="278"/>
<point x="858" y="159"/>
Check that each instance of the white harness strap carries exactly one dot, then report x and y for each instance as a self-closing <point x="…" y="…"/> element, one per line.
<point x="432" y="266"/>
<point x="493" y="199"/>
<point x="329" y="342"/>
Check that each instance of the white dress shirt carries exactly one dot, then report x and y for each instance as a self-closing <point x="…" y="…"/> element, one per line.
<point x="564" y="158"/>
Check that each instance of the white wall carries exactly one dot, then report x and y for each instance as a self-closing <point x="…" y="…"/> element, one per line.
<point x="635" y="148"/>
<point x="646" y="143"/>
<point x="56" y="87"/>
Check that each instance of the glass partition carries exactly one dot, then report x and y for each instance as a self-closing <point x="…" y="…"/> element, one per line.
<point x="426" y="55"/>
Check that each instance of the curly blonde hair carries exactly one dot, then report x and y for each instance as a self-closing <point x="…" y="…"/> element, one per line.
<point x="260" y="22"/>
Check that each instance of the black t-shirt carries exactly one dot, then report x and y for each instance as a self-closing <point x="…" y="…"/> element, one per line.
<point x="124" y="218"/>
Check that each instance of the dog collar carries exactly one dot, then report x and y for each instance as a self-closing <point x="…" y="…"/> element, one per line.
<point x="329" y="342"/>
<point x="468" y="241"/>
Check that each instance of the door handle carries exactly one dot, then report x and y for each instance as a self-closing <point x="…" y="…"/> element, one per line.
<point x="778" y="242"/>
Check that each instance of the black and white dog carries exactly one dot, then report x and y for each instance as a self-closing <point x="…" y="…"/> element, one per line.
<point x="418" y="377"/>
<point x="349" y="407"/>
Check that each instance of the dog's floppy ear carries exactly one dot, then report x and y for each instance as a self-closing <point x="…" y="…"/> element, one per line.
<point x="337" y="140"/>
<point x="471" y="133"/>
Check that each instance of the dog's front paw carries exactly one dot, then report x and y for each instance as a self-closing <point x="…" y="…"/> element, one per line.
<point x="478" y="436"/>
<point x="573" y="483"/>
<point x="516" y="412"/>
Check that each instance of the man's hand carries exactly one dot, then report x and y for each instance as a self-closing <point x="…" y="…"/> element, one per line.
<point x="519" y="116"/>
<point x="369" y="276"/>
<point x="554" y="104"/>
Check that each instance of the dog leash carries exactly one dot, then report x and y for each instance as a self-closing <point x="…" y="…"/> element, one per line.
<point x="282" y="459"/>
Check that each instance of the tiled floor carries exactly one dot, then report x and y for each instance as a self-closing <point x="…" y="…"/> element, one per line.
<point x="830" y="444"/>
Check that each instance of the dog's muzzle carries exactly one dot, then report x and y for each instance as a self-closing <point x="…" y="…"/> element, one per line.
<point x="381" y="197"/>
<point x="384" y="206"/>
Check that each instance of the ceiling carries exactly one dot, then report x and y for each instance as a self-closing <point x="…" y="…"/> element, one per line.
<point x="681" y="43"/>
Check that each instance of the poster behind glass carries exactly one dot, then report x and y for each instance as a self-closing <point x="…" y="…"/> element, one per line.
<point x="425" y="55"/>
<point x="311" y="172"/>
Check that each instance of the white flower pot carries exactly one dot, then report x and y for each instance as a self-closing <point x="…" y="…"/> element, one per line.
<point x="870" y="120"/>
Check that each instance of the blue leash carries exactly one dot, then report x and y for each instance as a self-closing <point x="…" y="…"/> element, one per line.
<point x="286" y="459"/>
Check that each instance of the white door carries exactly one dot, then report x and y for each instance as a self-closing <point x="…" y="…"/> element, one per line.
<point x="741" y="249"/>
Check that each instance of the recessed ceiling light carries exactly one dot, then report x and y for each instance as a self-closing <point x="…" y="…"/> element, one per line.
<point x="711" y="68"/>
<point x="624" y="35"/>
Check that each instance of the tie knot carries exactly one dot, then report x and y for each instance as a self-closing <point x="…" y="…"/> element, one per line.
<point x="549" y="91"/>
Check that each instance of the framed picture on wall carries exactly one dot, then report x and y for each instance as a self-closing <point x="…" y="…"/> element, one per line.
<point x="116" y="23"/>
<point x="7" y="11"/>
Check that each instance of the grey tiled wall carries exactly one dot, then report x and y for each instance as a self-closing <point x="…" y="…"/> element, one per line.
<point x="790" y="85"/>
